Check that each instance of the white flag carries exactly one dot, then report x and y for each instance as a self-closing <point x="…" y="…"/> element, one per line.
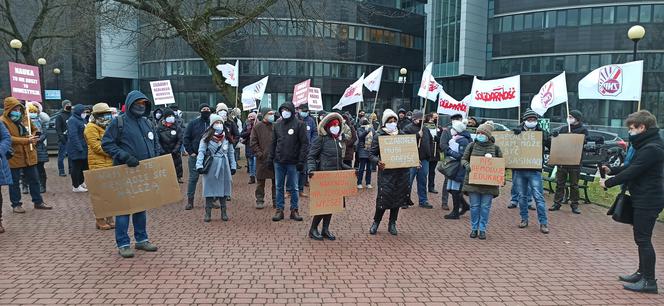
<point x="450" y="106"/>
<point x="496" y="94"/>
<point x="372" y="81"/>
<point x="230" y="73"/>
<point x="613" y="82"/>
<point x="429" y="88"/>
<point x="253" y="92"/>
<point x="352" y="95"/>
<point x="553" y="92"/>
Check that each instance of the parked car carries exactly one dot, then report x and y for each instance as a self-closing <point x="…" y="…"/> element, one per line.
<point x="601" y="147"/>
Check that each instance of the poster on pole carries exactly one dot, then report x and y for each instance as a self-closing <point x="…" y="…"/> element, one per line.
<point x="487" y="171"/>
<point x="301" y="93"/>
<point x="162" y="92"/>
<point x="496" y="94"/>
<point x="523" y="151"/>
<point x="399" y="151"/>
<point x="328" y="189"/>
<point x="24" y="82"/>
<point x="122" y="190"/>
<point x="315" y="99"/>
<point x="566" y="149"/>
<point x="449" y="106"/>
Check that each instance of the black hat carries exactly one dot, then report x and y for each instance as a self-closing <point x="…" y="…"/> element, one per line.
<point x="202" y="106"/>
<point x="401" y="110"/>
<point x="304" y="107"/>
<point x="577" y="115"/>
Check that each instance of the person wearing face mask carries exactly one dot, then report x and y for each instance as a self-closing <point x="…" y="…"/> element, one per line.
<point x="480" y="196"/>
<point x="527" y="183"/>
<point x="310" y="122"/>
<point x="170" y="139"/>
<point x="61" y="130"/>
<point x="77" y="148"/>
<point x="425" y="150"/>
<point x="97" y="158"/>
<point x="260" y="142"/>
<point x="326" y="154"/>
<point x="248" y="152"/>
<point x="436" y="131"/>
<point x="392" y="192"/>
<point x="288" y="154"/>
<point x="445" y="137"/>
<point x="217" y="182"/>
<point x="157" y="115"/>
<point x="569" y="173"/>
<point x="129" y="139"/>
<point x="24" y="158"/>
<point x="192" y="138"/>
<point x="232" y="129"/>
<point x="642" y="175"/>
<point x="365" y="134"/>
<point x="455" y="148"/>
<point x="40" y="119"/>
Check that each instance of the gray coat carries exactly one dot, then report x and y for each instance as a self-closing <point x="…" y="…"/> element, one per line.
<point x="217" y="182"/>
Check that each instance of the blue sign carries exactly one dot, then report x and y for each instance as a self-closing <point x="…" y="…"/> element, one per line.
<point x="52" y="94"/>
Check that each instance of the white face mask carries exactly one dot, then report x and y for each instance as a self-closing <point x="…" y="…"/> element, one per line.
<point x="218" y="127"/>
<point x="571" y="121"/>
<point x="335" y="130"/>
<point x="286" y="114"/>
<point x="392" y="127"/>
<point x="170" y="119"/>
<point x="223" y="114"/>
<point x="530" y="125"/>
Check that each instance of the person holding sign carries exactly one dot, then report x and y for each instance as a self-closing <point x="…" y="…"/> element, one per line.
<point x="217" y="181"/>
<point x="527" y="182"/>
<point x="129" y="139"/>
<point x="326" y="154"/>
<point x="480" y="196"/>
<point x="393" y="193"/>
<point x="569" y="173"/>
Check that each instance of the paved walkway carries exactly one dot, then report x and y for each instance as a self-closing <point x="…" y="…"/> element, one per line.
<point x="57" y="257"/>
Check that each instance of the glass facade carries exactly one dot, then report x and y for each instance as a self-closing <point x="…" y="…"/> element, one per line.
<point x="446" y="33"/>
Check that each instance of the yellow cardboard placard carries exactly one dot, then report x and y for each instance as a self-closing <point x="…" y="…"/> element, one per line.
<point x="399" y="151"/>
<point x="328" y="189"/>
<point x="523" y="151"/>
<point x="566" y="149"/>
<point x="487" y="171"/>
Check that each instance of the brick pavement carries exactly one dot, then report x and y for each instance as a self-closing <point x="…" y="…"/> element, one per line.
<point x="57" y="257"/>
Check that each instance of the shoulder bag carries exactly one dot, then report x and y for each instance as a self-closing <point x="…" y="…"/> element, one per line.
<point x="207" y="159"/>
<point x="622" y="210"/>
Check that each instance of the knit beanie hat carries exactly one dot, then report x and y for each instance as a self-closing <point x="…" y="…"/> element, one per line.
<point x="222" y="106"/>
<point x="265" y="110"/>
<point x="204" y="105"/>
<point x="65" y="103"/>
<point x="214" y="118"/>
<point x="458" y="126"/>
<point x="577" y="115"/>
<point x="332" y="123"/>
<point x="529" y="114"/>
<point x="486" y="128"/>
<point x="387" y="114"/>
<point x="417" y="115"/>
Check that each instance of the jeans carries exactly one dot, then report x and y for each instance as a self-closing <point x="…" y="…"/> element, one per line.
<point x="251" y="164"/>
<point x="364" y="171"/>
<point x="140" y="220"/>
<point x="530" y="186"/>
<point x="62" y="153"/>
<point x="78" y="166"/>
<point x="421" y="174"/>
<point x="302" y="179"/>
<point x="432" y="174"/>
<point x="193" y="177"/>
<point x="644" y="223"/>
<point x="515" y="188"/>
<point x="31" y="177"/>
<point x="282" y="173"/>
<point x="480" y="207"/>
<point x="561" y="180"/>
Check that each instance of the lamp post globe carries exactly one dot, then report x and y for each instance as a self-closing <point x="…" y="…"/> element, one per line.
<point x="41" y="61"/>
<point x="403" y="71"/>
<point x="16" y="44"/>
<point x="56" y="71"/>
<point x="636" y="33"/>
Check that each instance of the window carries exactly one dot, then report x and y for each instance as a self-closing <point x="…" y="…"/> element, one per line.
<point x="528" y="21"/>
<point x="507" y="24"/>
<point x="597" y="15"/>
<point x="558" y="63"/>
<point x="572" y="18"/>
<point x="526" y="65"/>
<point x="585" y="16"/>
<point x="389" y="37"/>
<point x="518" y="23"/>
<point x="570" y="63"/>
<point x="359" y="33"/>
<point x="290" y="68"/>
<point x="605" y="59"/>
<point x="646" y="12"/>
<point x="608" y="15"/>
<point x="547" y="64"/>
<point x="562" y="18"/>
<point x="550" y="19"/>
<point x="658" y="13"/>
<point x="535" y="65"/>
<point x="633" y="13"/>
<point x="538" y="20"/>
<point x="406" y="41"/>
<point x="594" y="62"/>
<point x="622" y="14"/>
<point x="351" y="32"/>
<point x="583" y="63"/>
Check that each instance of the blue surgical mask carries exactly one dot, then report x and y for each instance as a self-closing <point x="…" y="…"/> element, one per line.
<point x="170" y="119"/>
<point x="270" y="119"/>
<point x="286" y="114"/>
<point x="34" y="115"/>
<point x="482" y="138"/>
<point x="304" y="114"/>
<point x="108" y="117"/>
<point x="15" y="115"/>
<point x="218" y="127"/>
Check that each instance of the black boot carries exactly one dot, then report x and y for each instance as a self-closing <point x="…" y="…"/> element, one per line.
<point x="224" y="216"/>
<point x="295" y="215"/>
<point x="374" y="228"/>
<point x="278" y="216"/>
<point x="326" y="228"/>
<point x="644" y="286"/>
<point x="208" y="212"/>
<point x="313" y="231"/>
<point x="392" y="228"/>
<point x="632" y="278"/>
<point x="190" y="204"/>
<point x="252" y="180"/>
<point x="454" y="215"/>
<point x="465" y="207"/>
<point x="575" y="208"/>
<point x="556" y="206"/>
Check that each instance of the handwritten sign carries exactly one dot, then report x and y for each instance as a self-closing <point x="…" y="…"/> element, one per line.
<point x="566" y="149"/>
<point x="399" y="151"/>
<point x="162" y="92"/>
<point x="487" y="171"/>
<point x="301" y="93"/>
<point x="122" y="190"/>
<point x="328" y="189"/>
<point x="315" y="99"/>
<point x="523" y="151"/>
<point x="24" y="81"/>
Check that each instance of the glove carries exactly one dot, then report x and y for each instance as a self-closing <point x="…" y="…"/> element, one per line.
<point x="299" y="167"/>
<point x="233" y="171"/>
<point x="132" y="162"/>
<point x="516" y="131"/>
<point x="555" y="133"/>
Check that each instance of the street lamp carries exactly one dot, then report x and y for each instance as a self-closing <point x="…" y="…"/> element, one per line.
<point x="56" y="71"/>
<point x="635" y="34"/>
<point x="42" y="62"/>
<point x="16" y="45"/>
<point x="402" y="80"/>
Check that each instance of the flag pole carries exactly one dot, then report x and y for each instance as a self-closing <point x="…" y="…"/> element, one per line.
<point x="27" y="115"/>
<point x="236" y="93"/>
<point x="518" y="115"/>
<point x="638" y="106"/>
<point x="374" y="106"/>
<point x="569" y="126"/>
<point x="422" y="122"/>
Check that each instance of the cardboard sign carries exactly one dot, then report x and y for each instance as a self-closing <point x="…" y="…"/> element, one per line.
<point x="399" y="151"/>
<point x="301" y="93"/>
<point x="487" y="171"/>
<point x="566" y="149"/>
<point x="523" y="151"/>
<point x="122" y="190"/>
<point x="315" y="99"/>
<point x="162" y="92"/>
<point x="24" y="81"/>
<point x="328" y="189"/>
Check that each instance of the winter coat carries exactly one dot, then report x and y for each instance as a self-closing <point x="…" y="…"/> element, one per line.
<point x="217" y="182"/>
<point x="393" y="190"/>
<point x="193" y="134"/>
<point x="5" y="147"/>
<point x="644" y="176"/>
<point x="403" y="123"/>
<point x="576" y="129"/>
<point x="233" y="133"/>
<point x="24" y="155"/>
<point x="463" y="139"/>
<point x="246" y="135"/>
<point x="325" y="153"/>
<point x="435" y="150"/>
<point x="138" y="137"/>
<point x="290" y="144"/>
<point x="61" y="126"/>
<point x="426" y="144"/>
<point x="349" y="154"/>
<point x="311" y="127"/>
<point x="77" y="149"/>
<point x="444" y="140"/>
<point x="41" y="122"/>
<point x="479" y="149"/>
<point x="260" y="142"/>
<point x="97" y="158"/>
<point x="364" y="133"/>
<point x="170" y="137"/>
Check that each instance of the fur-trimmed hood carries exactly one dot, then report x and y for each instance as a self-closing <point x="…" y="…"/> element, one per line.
<point x="326" y="119"/>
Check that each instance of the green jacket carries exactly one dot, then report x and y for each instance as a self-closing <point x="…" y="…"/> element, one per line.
<point x="479" y="149"/>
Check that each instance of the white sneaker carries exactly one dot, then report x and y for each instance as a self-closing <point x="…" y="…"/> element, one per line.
<point x="79" y="189"/>
<point x="84" y="186"/>
<point x="369" y="186"/>
<point x="360" y="186"/>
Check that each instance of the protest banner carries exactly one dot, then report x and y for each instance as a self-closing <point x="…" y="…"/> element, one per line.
<point x="496" y="94"/>
<point x="315" y="99"/>
<point x="399" y="151"/>
<point x="566" y="149"/>
<point x="328" y="189"/>
<point x="24" y="82"/>
<point x="301" y="93"/>
<point x="162" y="92"/>
<point x="487" y="171"/>
<point x="122" y="190"/>
<point x="449" y="106"/>
<point x="523" y="151"/>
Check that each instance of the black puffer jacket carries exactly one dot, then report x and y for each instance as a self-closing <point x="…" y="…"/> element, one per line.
<point x="170" y="137"/>
<point x="326" y="152"/>
<point x="290" y="144"/>
<point x="426" y="144"/>
<point x="393" y="190"/>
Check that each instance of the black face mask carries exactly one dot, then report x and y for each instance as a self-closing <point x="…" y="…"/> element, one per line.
<point x="138" y="110"/>
<point x="68" y="108"/>
<point x="205" y="115"/>
<point x="361" y="115"/>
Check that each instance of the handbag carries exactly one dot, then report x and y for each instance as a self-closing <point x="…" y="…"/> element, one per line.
<point x="449" y="167"/>
<point x="622" y="210"/>
<point x="207" y="160"/>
